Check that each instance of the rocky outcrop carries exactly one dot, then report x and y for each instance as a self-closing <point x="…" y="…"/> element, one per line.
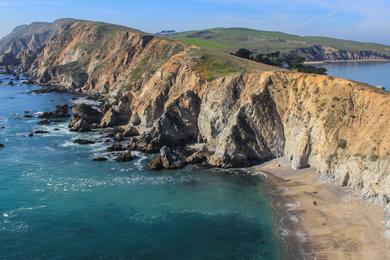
<point x="245" y="113"/>
<point x="167" y="159"/>
<point x="324" y="53"/>
<point x="83" y="117"/>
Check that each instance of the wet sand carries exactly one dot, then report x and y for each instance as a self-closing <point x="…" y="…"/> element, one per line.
<point x="321" y="221"/>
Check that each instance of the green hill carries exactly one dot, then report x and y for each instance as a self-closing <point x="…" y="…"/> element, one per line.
<point x="231" y="39"/>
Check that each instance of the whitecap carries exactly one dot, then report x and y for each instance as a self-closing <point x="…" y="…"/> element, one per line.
<point x="292" y="206"/>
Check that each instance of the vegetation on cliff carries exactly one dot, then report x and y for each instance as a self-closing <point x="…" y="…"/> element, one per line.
<point x="290" y="61"/>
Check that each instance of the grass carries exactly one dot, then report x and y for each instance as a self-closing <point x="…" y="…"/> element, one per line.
<point x="215" y="64"/>
<point x="201" y="43"/>
<point x="231" y="39"/>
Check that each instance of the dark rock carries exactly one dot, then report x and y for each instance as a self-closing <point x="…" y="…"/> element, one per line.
<point x="28" y="116"/>
<point x="135" y="120"/>
<point x="156" y="163"/>
<point x="171" y="159"/>
<point x="198" y="157"/>
<point x="118" y="137"/>
<point x="62" y="111"/>
<point x="11" y="83"/>
<point x="40" y="132"/>
<point x="124" y="157"/>
<point x="56" y="129"/>
<point x="167" y="159"/>
<point x="44" y="121"/>
<point x="83" y="141"/>
<point x="30" y="135"/>
<point x="100" y="159"/>
<point x="2" y="145"/>
<point x="116" y="148"/>
<point x="83" y="116"/>
<point x="131" y="131"/>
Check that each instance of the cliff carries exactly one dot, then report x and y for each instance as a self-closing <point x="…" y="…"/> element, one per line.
<point x="226" y="111"/>
<point x="324" y="53"/>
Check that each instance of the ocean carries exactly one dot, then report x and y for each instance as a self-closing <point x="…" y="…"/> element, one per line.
<point x="373" y="73"/>
<point x="56" y="203"/>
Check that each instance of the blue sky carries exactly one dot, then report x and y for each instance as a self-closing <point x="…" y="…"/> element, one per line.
<point x="364" y="20"/>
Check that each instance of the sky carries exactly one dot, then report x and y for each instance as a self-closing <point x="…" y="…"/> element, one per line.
<point x="362" y="20"/>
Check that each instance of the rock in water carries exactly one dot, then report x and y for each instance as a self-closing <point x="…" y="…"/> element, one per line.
<point x="116" y="148"/>
<point x="40" y="132"/>
<point x="61" y="111"/>
<point x="166" y="159"/>
<point x="156" y="163"/>
<point x="100" y="159"/>
<point x="1" y="145"/>
<point x="83" y="116"/>
<point x="124" y="157"/>
<point x="83" y="141"/>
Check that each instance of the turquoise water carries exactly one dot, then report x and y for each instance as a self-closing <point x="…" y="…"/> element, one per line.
<point x="56" y="203"/>
<point x="373" y="73"/>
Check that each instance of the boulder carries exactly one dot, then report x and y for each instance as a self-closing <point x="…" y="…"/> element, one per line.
<point x="171" y="159"/>
<point x="83" y="116"/>
<point x="124" y="157"/>
<point x="61" y="111"/>
<point x="130" y="131"/>
<point x="83" y="141"/>
<point x="99" y="159"/>
<point x="116" y="148"/>
<point x="135" y="120"/>
<point x="40" y="132"/>
<point x="1" y="145"/>
<point x="156" y="163"/>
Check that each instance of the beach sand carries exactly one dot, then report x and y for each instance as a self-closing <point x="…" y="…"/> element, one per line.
<point x="327" y="222"/>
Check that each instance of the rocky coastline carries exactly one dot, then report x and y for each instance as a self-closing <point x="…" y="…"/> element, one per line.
<point x="159" y="95"/>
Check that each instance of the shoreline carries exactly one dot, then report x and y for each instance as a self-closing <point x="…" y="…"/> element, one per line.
<point x="321" y="221"/>
<point x="343" y="61"/>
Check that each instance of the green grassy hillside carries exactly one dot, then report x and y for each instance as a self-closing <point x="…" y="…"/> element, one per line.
<point x="231" y="39"/>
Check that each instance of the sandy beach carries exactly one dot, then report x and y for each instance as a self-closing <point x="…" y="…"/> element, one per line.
<point x="327" y="222"/>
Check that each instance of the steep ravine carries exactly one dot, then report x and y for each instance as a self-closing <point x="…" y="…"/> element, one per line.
<point x="158" y="88"/>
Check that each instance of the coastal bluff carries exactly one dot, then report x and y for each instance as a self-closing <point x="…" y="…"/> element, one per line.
<point x="212" y="108"/>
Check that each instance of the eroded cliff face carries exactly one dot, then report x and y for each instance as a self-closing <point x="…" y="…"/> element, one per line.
<point x="325" y="53"/>
<point x="158" y="88"/>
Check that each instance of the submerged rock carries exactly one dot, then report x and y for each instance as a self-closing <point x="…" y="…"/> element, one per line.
<point x="99" y="159"/>
<point x="2" y="145"/>
<point x="41" y="132"/>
